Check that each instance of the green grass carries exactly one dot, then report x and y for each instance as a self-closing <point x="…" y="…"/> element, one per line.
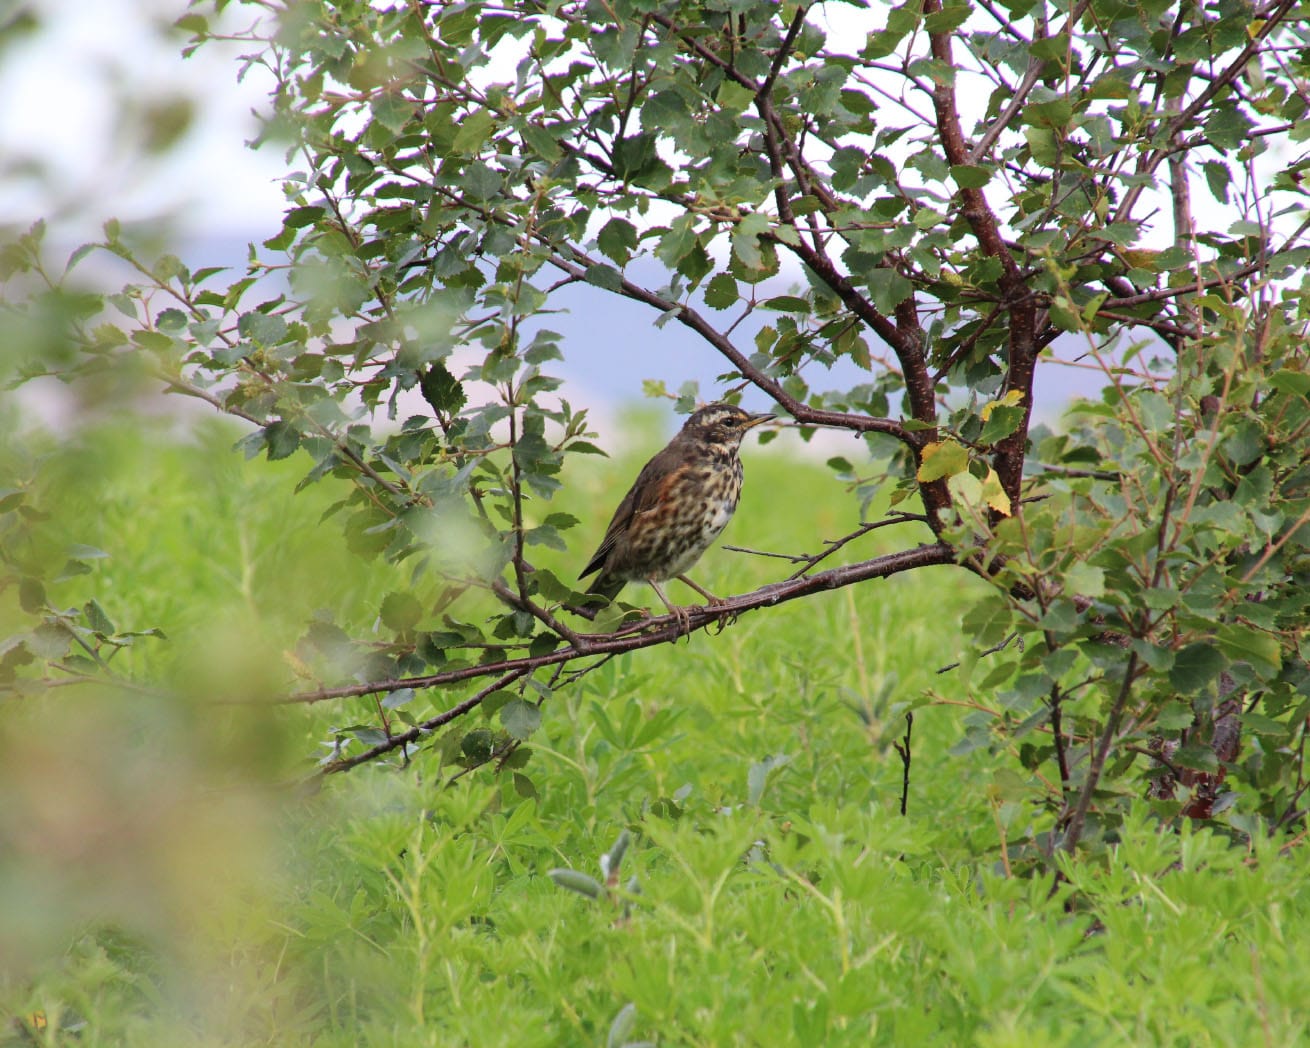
<point x="168" y="888"/>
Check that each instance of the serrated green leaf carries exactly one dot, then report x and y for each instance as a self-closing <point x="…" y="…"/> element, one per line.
<point x="262" y="328"/>
<point x="442" y="390"/>
<point x="605" y="277"/>
<point x="282" y="439"/>
<point x="721" y="292"/>
<point x="889" y="290"/>
<point x="398" y="698"/>
<point x="96" y="619"/>
<point x="473" y="131"/>
<point x="968" y="176"/>
<point x="617" y="240"/>
<point x="1247" y="644"/>
<point x="520" y="718"/>
<point x="400" y="611"/>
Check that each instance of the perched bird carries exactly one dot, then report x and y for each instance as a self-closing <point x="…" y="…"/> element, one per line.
<point x="682" y="499"/>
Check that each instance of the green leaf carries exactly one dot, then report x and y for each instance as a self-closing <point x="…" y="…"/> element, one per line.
<point x="1043" y="145"/>
<point x="1227" y="127"/>
<point x="401" y="611"/>
<point x="734" y="97"/>
<point x="1196" y="667"/>
<point x="1293" y="383"/>
<point x="1218" y="178"/>
<point x="282" y="439"/>
<point x="473" y="131"/>
<point x="1175" y="716"/>
<point x="746" y="240"/>
<point x="296" y="218"/>
<point x="96" y="619"/>
<point x="31" y="595"/>
<point x="948" y="19"/>
<point x="481" y="181"/>
<point x="442" y="390"/>
<point x="1262" y="725"/>
<point x="392" y="111"/>
<point x="1085" y="580"/>
<point x="1001" y="422"/>
<point x="262" y="328"/>
<point x="520" y="718"/>
<point x="171" y="320"/>
<point x="721" y="292"/>
<point x="617" y="240"/>
<point x="635" y="156"/>
<point x="394" y="700"/>
<point x="1196" y="757"/>
<point x="605" y="277"/>
<point x="1245" y="644"/>
<point x="968" y="176"/>
<point x="889" y="289"/>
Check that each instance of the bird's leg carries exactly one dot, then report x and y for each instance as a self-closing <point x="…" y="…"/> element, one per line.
<point x="710" y="598"/>
<point x="684" y="620"/>
<point x="714" y="602"/>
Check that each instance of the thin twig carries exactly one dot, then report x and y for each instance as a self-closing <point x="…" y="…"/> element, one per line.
<point x="415" y="733"/>
<point x="902" y="747"/>
<point x="1078" y="818"/>
<point x="989" y="651"/>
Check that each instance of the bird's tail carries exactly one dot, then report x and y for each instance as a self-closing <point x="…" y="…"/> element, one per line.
<point x="606" y="585"/>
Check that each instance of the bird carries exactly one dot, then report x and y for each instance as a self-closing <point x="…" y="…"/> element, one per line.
<point x="680" y="501"/>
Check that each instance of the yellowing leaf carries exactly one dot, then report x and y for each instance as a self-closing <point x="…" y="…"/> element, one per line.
<point x="942" y="458"/>
<point x="1011" y="399"/>
<point x="995" y="495"/>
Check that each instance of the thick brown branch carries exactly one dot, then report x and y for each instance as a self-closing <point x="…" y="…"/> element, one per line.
<point x="658" y="630"/>
<point x="1020" y="303"/>
<point x="688" y="316"/>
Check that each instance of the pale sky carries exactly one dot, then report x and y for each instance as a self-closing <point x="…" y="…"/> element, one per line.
<point x="63" y="89"/>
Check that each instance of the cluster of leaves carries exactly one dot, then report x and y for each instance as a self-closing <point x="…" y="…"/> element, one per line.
<point x="952" y="191"/>
<point x="59" y="644"/>
<point x="1167" y="631"/>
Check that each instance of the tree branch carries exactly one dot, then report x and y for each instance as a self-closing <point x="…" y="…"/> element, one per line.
<point x="1074" y="830"/>
<point x="1030" y="77"/>
<point x="1008" y="456"/>
<point x="415" y="733"/>
<point x="661" y="629"/>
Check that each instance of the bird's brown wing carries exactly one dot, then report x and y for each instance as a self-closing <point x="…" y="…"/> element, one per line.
<point x="644" y="493"/>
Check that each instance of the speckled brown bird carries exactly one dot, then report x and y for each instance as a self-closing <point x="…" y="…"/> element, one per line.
<point x="681" y="500"/>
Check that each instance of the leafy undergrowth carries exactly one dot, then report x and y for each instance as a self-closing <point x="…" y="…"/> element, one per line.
<point x="169" y="887"/>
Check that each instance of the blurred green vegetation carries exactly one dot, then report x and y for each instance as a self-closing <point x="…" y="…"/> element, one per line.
<point x="168" y="879"/>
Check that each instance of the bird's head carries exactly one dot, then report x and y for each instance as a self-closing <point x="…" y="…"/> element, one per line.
<point x="721" y="425"/>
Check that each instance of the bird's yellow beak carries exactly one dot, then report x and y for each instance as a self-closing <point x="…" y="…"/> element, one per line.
<point x="755" y="420"/>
